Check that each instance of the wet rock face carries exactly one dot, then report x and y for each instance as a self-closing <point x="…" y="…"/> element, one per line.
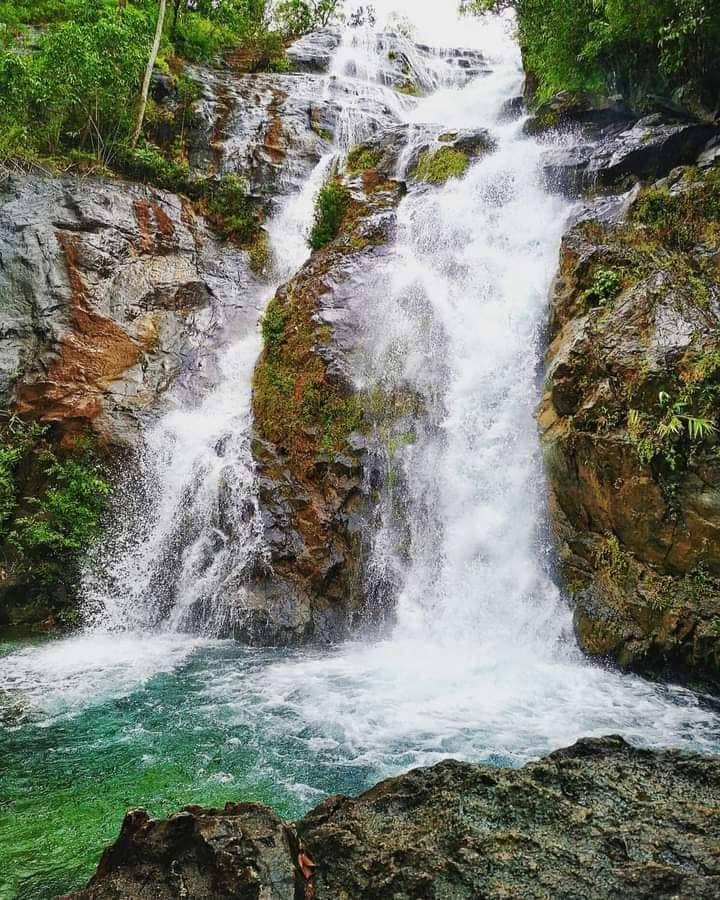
<point x="270" y="129"/>
<point x="413" y="69"/>
<point x="628" y="421"/>
<point x="314" y="51"/>
<point x="598" y="820"/>
<point x="107" y="292"/>
<point x="623" y="153"/>
<point x="316" y="476"/>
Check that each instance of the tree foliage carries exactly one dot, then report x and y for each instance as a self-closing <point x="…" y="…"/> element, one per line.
<point x="619" y="45"/>
<point x="296" y="17"/>
<point x="71" y="71"/>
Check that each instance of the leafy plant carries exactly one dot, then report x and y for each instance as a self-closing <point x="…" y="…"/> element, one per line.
<point x="17" y="439"/>
<point x="683" y="422"/>
<point x="229" y="208"/>
<point x="605" y="287"/>
<point x="68" y="516"/>
<point x="50" y="506"/>
<point x="330" y="206"/>
<point x="615" y="45"/>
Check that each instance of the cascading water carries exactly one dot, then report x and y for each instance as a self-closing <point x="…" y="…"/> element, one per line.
<point x="480" y="663"/>
<point x="187" y="537"/>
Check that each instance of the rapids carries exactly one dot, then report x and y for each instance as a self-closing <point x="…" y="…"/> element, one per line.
<point x="146" y="706"/>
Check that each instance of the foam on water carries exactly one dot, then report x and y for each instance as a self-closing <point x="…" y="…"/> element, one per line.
<point x="62" y="678"/>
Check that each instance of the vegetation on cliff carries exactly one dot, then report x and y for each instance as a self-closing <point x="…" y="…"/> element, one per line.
<point x="330" y="206"/>
<point x="51" y="506"/>
<point x="619" y="45"/>
<point x="71" y="72"/>
<point x="296" y="407"/>
<point x="437" y="167"/>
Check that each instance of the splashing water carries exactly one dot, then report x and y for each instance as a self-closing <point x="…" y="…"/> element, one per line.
<point x="480" y="663"/>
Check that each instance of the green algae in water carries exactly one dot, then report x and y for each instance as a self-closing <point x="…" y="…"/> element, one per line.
<point x="68" y="779"/>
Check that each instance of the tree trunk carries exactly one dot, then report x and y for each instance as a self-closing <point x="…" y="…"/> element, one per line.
<point x="148" y="74"/>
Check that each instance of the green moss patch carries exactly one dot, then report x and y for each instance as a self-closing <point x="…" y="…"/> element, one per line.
<point x="683" y="218"/>
<point x="411" y="89"/>
<point x="361" y="158"/>
<point x="296" y="406"/>
<point x="437" y="167"/>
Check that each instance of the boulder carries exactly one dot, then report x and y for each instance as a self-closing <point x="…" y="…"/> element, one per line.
<point x="600" y="820"/>
<point x="316" y="482"/>
<point x="568" y="109"/>
<point x="240" y="852"/>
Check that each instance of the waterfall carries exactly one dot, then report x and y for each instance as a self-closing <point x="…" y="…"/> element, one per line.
<point x="187" y="527"/>
<point x="480" y="663"/>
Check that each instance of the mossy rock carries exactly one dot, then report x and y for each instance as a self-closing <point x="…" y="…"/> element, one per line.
<point x="362" y="158"/>
<point x="410" y="89"/>
<point x="439" y="166"/>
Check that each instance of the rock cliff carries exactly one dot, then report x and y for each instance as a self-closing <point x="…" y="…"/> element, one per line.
<point x="108" y="290"/>
<point x="629" y="413"/>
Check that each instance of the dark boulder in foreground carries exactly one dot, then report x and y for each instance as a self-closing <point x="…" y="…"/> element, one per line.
<point x="598" y="820"/>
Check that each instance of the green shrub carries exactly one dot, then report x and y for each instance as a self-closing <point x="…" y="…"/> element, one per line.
<point x="605" y="287"/>
<point x="685" y="218"/>
<point x="684" y="419"/>
<point x="79" y="87"/>
<point x="330" y="207"/>
<point x="16" y="440"/>
<point x="51" y="507"/>
<point x="200" y="40"/>
<point x="229" y="208"/>
<point x="273" y="326"/>
<point x="147" y="162"/>
<point x="68" y="516"/>
<point x="296" y="17"/>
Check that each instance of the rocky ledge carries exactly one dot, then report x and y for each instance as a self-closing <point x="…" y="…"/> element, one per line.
<point x="600" y="819"/>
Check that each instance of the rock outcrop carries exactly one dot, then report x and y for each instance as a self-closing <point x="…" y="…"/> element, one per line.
<point x="314" y="52"/>
<point x="272" y="130"/>
<point x="108" y="290"/>
<point x="629" y="424"/>
<point x="597" y="820"/>
<point x="623" y="153"/>
<point x="317" y="471"/>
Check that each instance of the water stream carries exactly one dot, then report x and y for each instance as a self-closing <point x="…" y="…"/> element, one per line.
<point x="480" y="663"/>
